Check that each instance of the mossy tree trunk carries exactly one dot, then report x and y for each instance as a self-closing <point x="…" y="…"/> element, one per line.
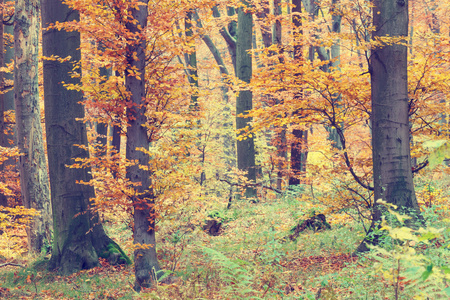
<point x="75" y="246"/>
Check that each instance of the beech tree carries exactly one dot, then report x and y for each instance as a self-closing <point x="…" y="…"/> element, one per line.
<point x="78" y="238"/>
<point x="392" y="174"/>
<point x="32" y="163"/>
<point x="145" y="259"/>
<point x="245" y="147"/>
<point x="299" y="145"/>
<point x="6" y="93"/>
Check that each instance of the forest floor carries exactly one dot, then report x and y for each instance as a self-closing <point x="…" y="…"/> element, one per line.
<point x="252" y="258"/>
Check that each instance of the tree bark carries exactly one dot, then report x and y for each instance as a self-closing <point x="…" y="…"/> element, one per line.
<point x="3" y="198"/>
<point x="335" y="54"/>
<point x="392" y="174"/>
<point x="7" y="98"/>
<point x="78" y="238"/>
<point x="9" y="57"/>
<point x="146" y="264"/>
<point x="229" y="145"/>
<point x="245" y="148"/>
<point x="191" y="61"/>
<point x="281" y="140"/>
<point x="228" y="33"/>
<point x="101" y="127"/>
<point x="299" y="145"/>
<point x="32" y="164"/>
<point x="262" y="14"/>
<point x="115" y="132"/>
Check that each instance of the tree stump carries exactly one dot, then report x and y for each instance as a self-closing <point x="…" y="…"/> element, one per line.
<point x="212" y="227"/>
<point x="316" y="223"/>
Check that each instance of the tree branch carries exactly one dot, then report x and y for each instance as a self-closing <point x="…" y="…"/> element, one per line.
<point x="212" y="48"/>
<point x="251" y="185"/>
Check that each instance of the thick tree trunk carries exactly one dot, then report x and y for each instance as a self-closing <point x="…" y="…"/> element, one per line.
<point x="245" y="148"/>
<point x="392" y="174"/>
<point x="73" y="247"/>
<point x="145" y="259"/>
<point x="32" y="164"/>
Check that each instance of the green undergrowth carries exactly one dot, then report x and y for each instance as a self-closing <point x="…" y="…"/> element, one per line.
<point x="36" y="282"/>
<point x="253" y="258"/>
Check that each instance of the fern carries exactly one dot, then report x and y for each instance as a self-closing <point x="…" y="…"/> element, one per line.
<point x="236" y="277"/>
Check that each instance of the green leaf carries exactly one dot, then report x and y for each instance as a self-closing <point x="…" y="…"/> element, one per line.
<point x="427" y="272"/>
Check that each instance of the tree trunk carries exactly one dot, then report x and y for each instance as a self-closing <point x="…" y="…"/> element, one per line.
<point x="102" y="138"/>
<point x="9" y="57"/>
<point x="228" y="33"/>
<point x="145" y="259"/>
<point x="32" y="164"/>
<point x="299" y="155"/>
<point x="281" y="141"/>
<point x="229" y="145"/>
<point x="115" y="132"/>
<point x="7" y="98"/>
<point x="299" y="144"/>
<point x="335" y="54"/>
<point x="191" y="61"/>
<point x="75" y="247"/>
<point x="101" y="128"/>
<point x="392" y="174"/>
<point x="245" y="148"/>
<point x="261" y="15"/>
<point x="3" y="198"/>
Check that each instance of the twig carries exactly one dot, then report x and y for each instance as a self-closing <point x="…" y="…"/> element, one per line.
<point x="11" y="264"/>
<point x="420" y="166"/>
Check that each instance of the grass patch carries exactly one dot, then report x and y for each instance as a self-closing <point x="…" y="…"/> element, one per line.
<point x="251" y="259"/>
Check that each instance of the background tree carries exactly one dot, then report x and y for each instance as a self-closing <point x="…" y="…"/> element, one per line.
<point x="245" y="147"/>
<point x="32" y="163"/>
<point x="299" y="152"/>
<point x="7" y="168"/>
<point x="3" y="198"/>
